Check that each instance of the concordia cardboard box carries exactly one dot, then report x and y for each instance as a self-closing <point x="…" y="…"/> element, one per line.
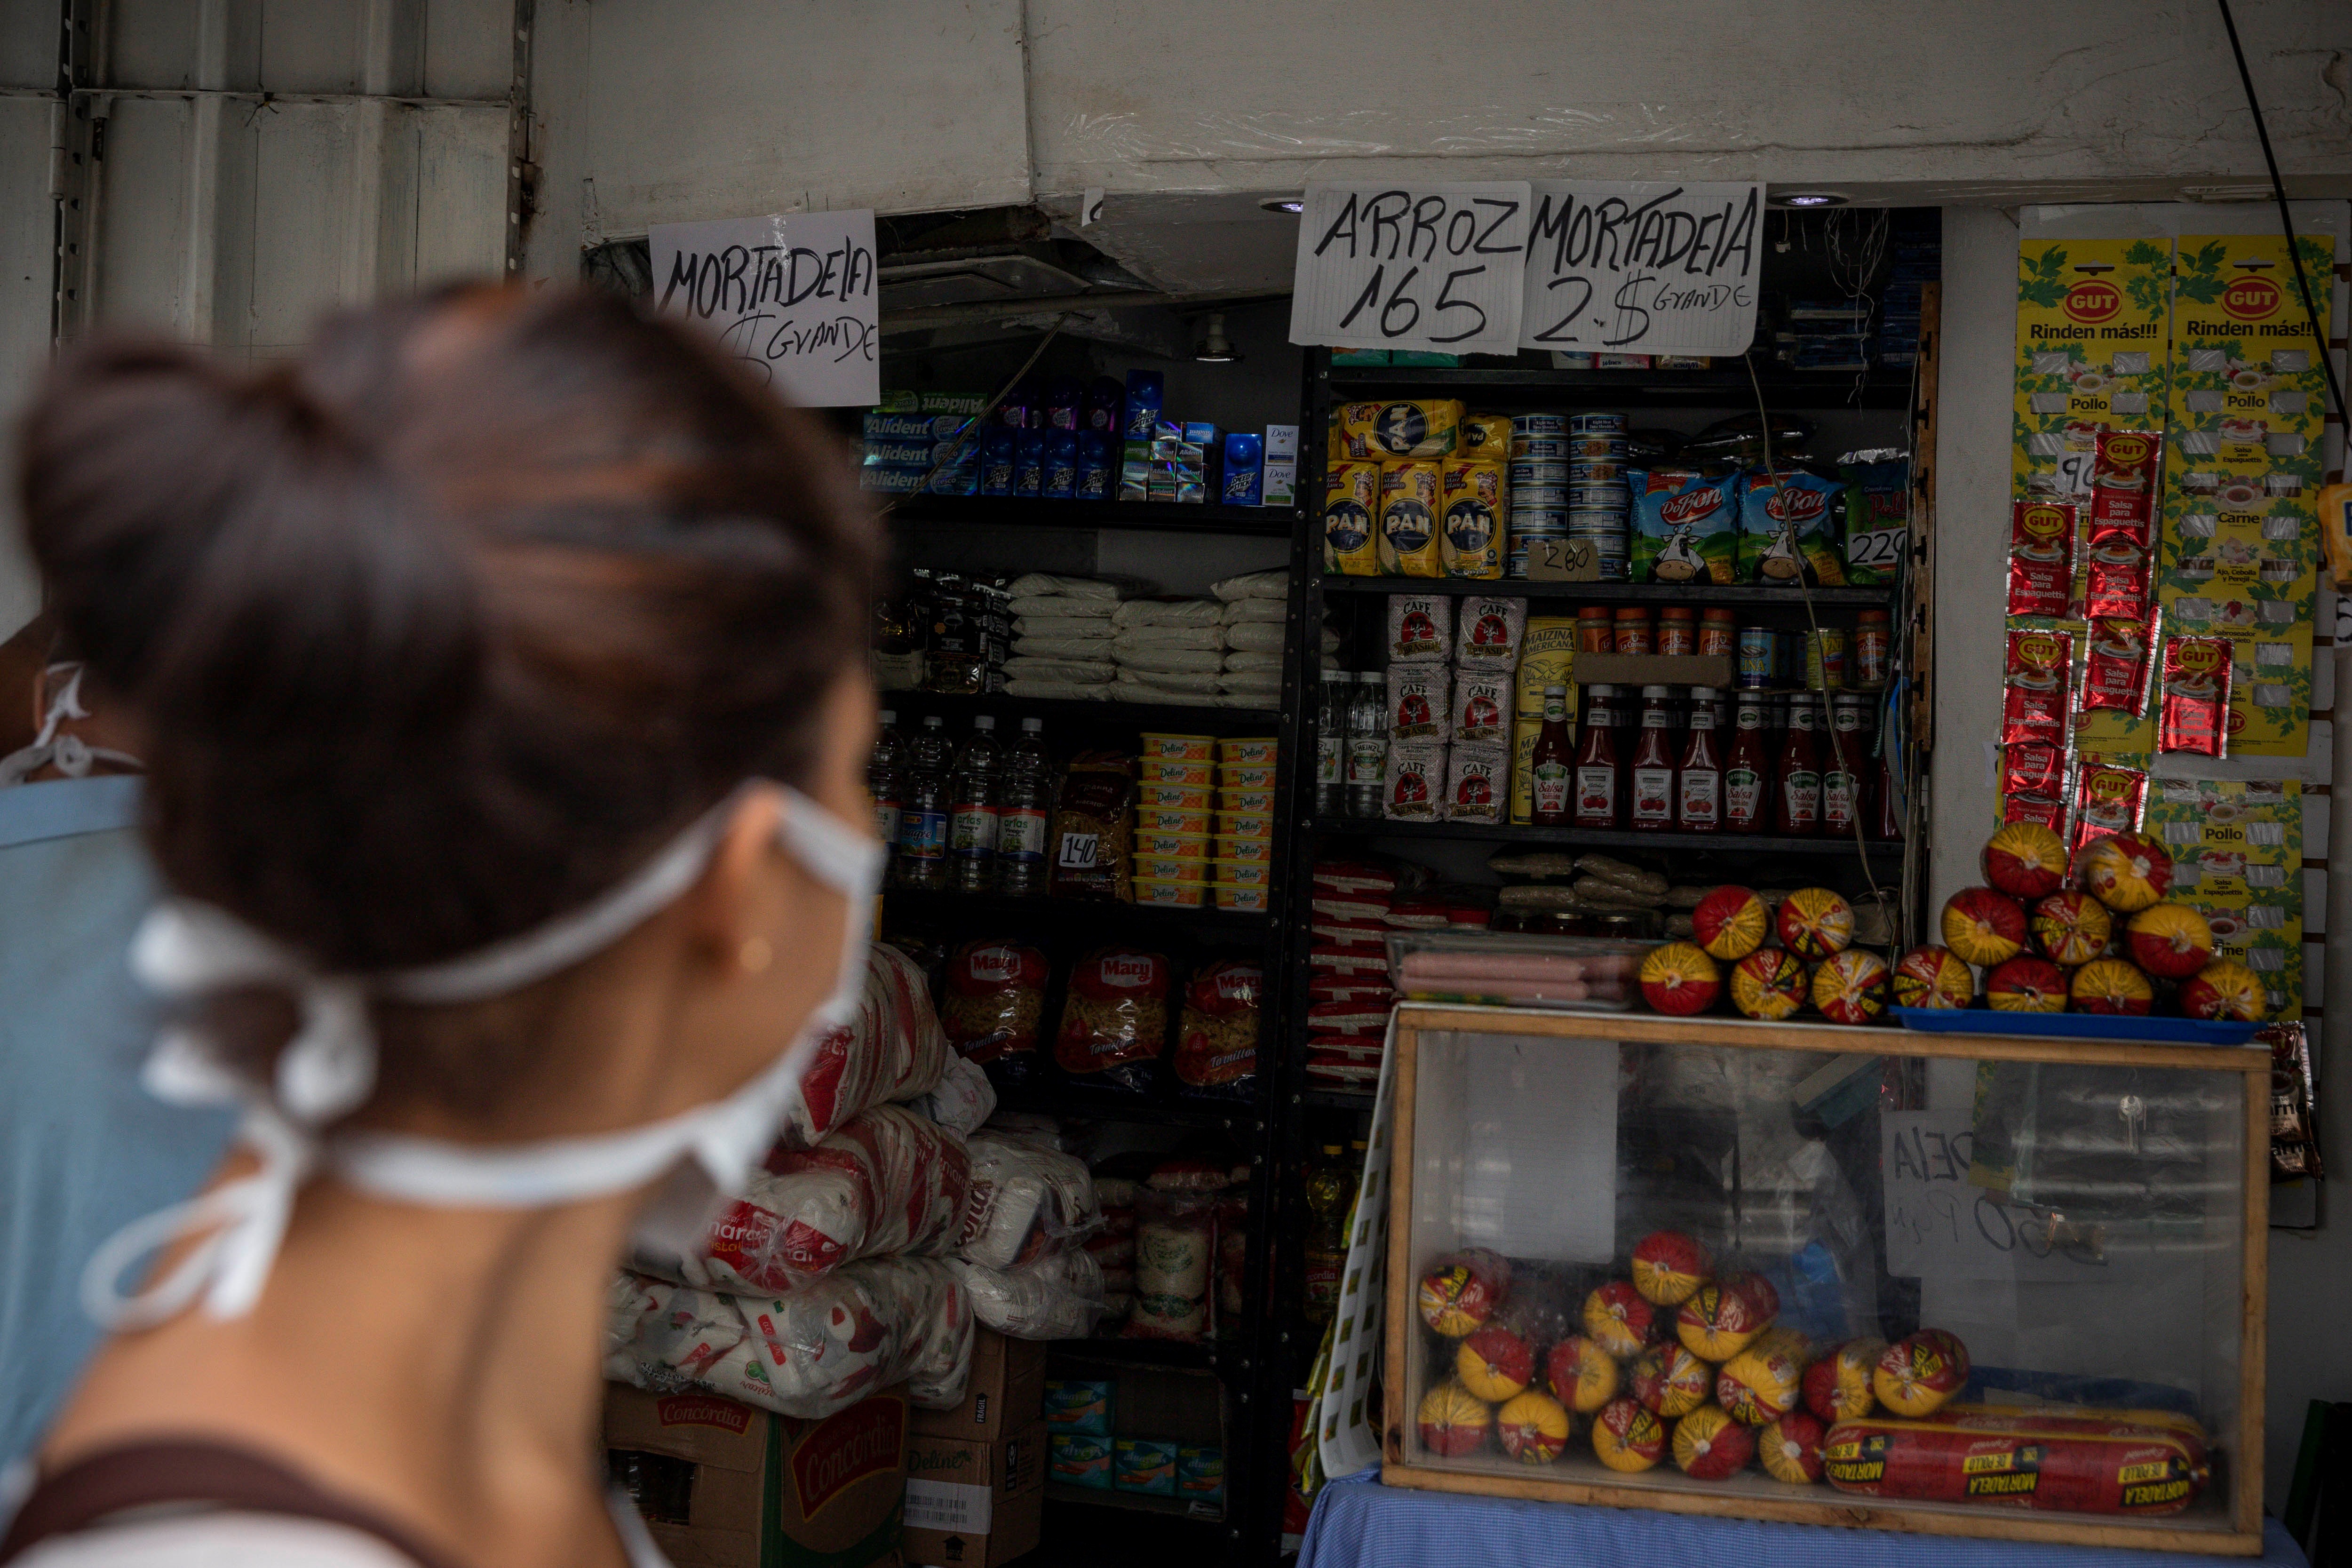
<point x="971" y="1504"/>
<point x="722" y="1485"/>
<point x="1007" y="1391"/>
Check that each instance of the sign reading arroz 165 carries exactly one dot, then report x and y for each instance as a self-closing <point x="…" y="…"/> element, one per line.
<point x="1432" y="267"/>
<point x="790" y="295"/>
<point x="1625" y="266"/>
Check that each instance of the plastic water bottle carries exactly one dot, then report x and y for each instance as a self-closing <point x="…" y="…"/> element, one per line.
<point x="972" y="816"/>
<point x="1367" y="746"/>
<point x="1025" y="808"/>
<point x="1331" y="743"/>
<point x="886" y="781"/>
<point x="923" y="810"/>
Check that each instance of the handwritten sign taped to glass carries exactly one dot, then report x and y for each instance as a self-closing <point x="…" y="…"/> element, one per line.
<point x="791" y="295"/>
<point x="1638" y="267"/>
<point x="1432" y="267"/>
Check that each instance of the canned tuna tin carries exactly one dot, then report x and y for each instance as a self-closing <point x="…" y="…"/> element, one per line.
<point x="1540" y="449"/>
<point x="1539" y="424"/>
<point x="1825" y="659"/>
<point x="1531" y="471"/>
<point x="1595" y="471"/>
<point x="1545" y="520"/>
<point x="1596" y="424"/>
<point x="1536" y="495"/>
<point x="1611" y="449"/>
<point x="1601" y="498"/>
<point x="1757" y="647"/>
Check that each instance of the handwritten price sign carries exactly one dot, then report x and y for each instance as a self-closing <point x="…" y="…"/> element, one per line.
<point x="1432" y="267"/>
<point x="1622" y="267"/>
<point x="791" y="296"/>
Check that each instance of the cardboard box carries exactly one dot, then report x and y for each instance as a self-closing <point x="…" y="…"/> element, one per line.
<point x="1007" y="1392"/>
<point x="722" y="1485"/>
<point x="971" y="1504"/>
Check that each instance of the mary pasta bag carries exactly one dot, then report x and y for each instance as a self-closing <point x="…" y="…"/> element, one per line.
<point x="1217" y="1035"/>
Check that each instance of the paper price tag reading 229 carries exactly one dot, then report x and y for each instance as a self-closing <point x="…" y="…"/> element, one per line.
<point x="1435" y="266"/>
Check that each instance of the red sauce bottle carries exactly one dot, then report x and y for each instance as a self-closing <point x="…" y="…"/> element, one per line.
<point x="1797" y="808"/>
<point x="1552" y="766"/>
<point x="1748" y="771"/>
<point x="1651" y="809"/>
<point x="1698" y="780"/>
<point x="1600" y="794"/>
<point x="1846" y="776"/>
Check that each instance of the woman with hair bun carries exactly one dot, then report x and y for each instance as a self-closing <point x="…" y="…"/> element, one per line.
<point x="499" y="671"/>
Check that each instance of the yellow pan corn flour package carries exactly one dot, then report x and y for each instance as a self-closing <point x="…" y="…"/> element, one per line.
<point x="1471" y="540"/>
<point x="1381" y="432"/>
<point x="1408" y="520"/>
<point x="1351" y="495"/>
<point x="1485" y="437"/>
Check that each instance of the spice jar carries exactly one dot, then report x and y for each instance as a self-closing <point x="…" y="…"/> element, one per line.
<point x="1718" y="632"/>
<point x="1595" y="631"/>
<point x="1873" y="642"/>
<point x="1634" y="634"/>
<point x="1678" y="631"/>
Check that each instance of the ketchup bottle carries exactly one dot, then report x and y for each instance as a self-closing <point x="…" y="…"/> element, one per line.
<point x="1600" y="800"/>
<point x="1698" y="780"/>
<point x="1797" y="810"/>
<point x="1552" y="767"/>
<point x="1653" y="808"/>
<point x="1748" y="771"/>
<point x="1845" y="780"/>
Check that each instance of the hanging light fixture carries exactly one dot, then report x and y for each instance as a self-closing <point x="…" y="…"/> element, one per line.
<point x="1215" y="347"/>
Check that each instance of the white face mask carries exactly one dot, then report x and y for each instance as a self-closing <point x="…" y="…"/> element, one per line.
<point x="71" y="756"/>
<point x="328" y="1069"/>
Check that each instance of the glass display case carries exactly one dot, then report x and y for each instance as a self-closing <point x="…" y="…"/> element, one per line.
<point x="1969" y="1284"/>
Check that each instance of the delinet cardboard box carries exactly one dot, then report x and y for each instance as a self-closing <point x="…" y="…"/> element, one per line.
<point x="722" y="1485"/>
<point x="971" y="1504"/>
<point x="1007" y="1392"/>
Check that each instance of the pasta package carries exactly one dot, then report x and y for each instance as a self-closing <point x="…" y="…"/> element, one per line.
<point x="1094" y="828"/>
<point x="1417" y="428"/>
<point x="1351" y="495"/>
<point x="1216" y="1033"/>
<point x="1472" y="536"/>
<point x="1408" y="521"/>
<point x="994" y="1004"/>
<point x="1114" y="1019"/>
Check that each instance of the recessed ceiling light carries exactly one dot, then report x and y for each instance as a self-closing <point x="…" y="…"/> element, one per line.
<point x="1215" y="347"/>
<point x="1808" y="199"/>
<point x="1291" y="205"/>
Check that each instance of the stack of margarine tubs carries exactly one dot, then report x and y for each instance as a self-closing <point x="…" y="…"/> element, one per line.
<point x="1204" y="822"/>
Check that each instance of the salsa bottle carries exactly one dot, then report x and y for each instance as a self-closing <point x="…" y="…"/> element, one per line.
<point x="1552" y="767"/>
<point x="1651" y="809"/>
<point x="1797" y="808"/>
<point x="1845" y="777"/>
<point x="1699" y="779"/>
<point x="1748" y="771"/>
<point x="1600" y="796"/>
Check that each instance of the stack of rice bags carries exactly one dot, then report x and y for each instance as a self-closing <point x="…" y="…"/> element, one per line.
<point x="1256" y="617"/>
<point x="856" y="1260"/>
<point x="1063" y="634"/>
<point x="1169" y="650"/>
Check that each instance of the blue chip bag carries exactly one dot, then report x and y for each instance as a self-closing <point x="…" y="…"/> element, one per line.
<point x="1685" y="526"/>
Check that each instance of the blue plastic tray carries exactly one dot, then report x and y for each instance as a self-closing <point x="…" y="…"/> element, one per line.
<point x="2074" y="1026"/>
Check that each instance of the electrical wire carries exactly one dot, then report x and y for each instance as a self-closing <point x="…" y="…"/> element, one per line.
<point x="1805" y="592"/>
<point x="2286" y="220"/>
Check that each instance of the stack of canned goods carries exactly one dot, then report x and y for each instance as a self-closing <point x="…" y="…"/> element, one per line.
<point x="1569" y="480"/>
<point x="1600" y="498"/>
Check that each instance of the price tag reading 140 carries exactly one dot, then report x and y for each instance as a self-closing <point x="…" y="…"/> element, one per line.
<point x="1435" y="266"/>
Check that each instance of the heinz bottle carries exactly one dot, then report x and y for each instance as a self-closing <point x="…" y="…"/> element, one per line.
<point x="1748" y="771"/>
<point x="1651" y="809"/>
<point x="1551" y="769"/>
<point x="1845" y="777"/>
<point x="1797" y="811"/>
<point x="1698" y="780"/>
<point x="1600" y="802"/>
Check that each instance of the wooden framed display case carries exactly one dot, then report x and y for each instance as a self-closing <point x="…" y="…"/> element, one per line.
<point x="2087" y="1217"/>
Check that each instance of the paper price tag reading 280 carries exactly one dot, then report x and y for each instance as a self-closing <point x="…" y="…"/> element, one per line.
<point x="1435" y="266"/>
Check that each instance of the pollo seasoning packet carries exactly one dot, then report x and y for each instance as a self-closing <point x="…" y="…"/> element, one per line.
<point x="2195" y="714"/>
<point x="1421" y="628"/>
<point x="2107" y="799"/>
<point x="2115" y="668"/>
<point x="2033" y="701"/>
<point x="2033" y="786"/>
<point x="2041" y="557"/>
<point x="2124" y="476"/>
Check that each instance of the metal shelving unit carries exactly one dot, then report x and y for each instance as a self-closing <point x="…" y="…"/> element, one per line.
<point x="1745" y="844"/>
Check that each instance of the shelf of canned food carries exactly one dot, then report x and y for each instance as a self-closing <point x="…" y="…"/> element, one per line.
<point x="1724" y="387"/>
<point x="1612" y="593"/>
<point x="1611" y="838"/>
